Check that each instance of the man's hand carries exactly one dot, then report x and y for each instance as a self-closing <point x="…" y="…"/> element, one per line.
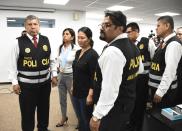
<point x="94" y="124"/>
<point x="16" y="89"/>
<point x="54" y="81"/>
<point x="157" y="99"/>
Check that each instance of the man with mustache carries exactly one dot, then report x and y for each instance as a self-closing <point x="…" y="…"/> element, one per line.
<point x="30" y="68"/>
<point x="116" y="74"/>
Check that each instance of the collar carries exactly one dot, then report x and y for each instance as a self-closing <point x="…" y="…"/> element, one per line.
<point x="168" y="37"/>
<point x="67" y="48"/>
<point x="138" y="39"/>
<point x="31" y="37"/>
<point x="121" y="36"/>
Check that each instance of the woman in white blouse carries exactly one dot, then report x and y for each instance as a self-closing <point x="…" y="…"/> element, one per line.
<point x="65" y="58"/>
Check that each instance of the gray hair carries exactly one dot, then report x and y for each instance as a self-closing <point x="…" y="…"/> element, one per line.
<point x="31" y="17"/>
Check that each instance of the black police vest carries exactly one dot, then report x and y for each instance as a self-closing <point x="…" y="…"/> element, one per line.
<point x="145" y="54"/>
<point x="127" y="87"/>
<point x="33" y="63"/>
<point x="158" y="66"/>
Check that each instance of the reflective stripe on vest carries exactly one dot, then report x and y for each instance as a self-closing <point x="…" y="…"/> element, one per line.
<point x="146" y="64"/>
<point x="33" y="81"/>
<point x="145" y="72"/>
<point x="146" y="68"/>
<point x="155" y="77"/>
<point x="158" y="78"/>
<point x="35" y="73"/>
<point x="174" y="86"/>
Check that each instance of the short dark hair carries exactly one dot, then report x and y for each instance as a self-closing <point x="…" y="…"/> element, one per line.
<point x="87" y="31"/>
<point x="117" y="18"/>
<point x="167" y="19"/>
<point x="134" y="26"/>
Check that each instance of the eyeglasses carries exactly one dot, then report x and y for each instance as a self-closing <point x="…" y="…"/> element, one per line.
<point x="179" y="34"/>
<point x="128" y="32"/>
<point x="105" y="25"/>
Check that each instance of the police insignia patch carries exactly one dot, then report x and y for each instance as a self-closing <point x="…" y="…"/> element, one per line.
<point x="27" y="50"/>
<point x="45" y="48"/>
<point x="141" y="46"/>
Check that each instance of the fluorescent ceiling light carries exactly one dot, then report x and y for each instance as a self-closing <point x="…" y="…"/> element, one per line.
<point x="167" y="13"/>
<point x="26" y="9"/>
<point x="56" y="2"/>
<point x="134" y="19"/>
<point x="120" y="8"/>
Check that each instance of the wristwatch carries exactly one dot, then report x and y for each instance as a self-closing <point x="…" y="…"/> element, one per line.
<point x="95" y="119"/>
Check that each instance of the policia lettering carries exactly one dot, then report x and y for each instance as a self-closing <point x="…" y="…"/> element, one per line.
<point x="33" y="63"/>
<point x="143" y="58"/>
<point x="155" y="66"/>
<point x="134" y="63"/>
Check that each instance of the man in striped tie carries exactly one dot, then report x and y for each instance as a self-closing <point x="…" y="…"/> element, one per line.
<point x="29" y="72"/>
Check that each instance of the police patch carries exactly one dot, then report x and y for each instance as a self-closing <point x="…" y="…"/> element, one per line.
<point x="27" y="50"/>
<point x="141" y="46"/>
<point x="45" y="48"/>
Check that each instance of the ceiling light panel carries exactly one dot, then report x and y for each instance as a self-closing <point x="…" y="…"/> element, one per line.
<point x="56" y="2"/>
<point x="120" y="8"/>
<point x="167" y="13"/>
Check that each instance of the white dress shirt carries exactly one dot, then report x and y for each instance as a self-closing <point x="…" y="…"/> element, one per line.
<point x="65" y="64"/>
<point x="111" y="62"/>
<point x="14" y="58"/>
<point x="172" y="57"/>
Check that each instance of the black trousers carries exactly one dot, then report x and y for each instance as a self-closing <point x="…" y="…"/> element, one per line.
<point x="117" y="118"/>
<point x="34" y="97"/>
<point x="137" y="116"/>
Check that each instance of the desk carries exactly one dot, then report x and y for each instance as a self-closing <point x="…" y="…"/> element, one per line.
<point x="155" y="121"/>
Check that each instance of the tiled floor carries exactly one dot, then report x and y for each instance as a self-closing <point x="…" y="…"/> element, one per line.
<point x="10" y="114"/>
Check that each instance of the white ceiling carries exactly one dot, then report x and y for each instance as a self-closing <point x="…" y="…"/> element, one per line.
<point x="144" y="9"/>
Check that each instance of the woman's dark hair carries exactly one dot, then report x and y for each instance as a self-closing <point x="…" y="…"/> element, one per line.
<point x="72" y="32"/>
<point x="88" y="33"/>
